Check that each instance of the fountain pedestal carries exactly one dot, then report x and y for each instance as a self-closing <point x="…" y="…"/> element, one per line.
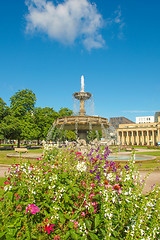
<point x="82" y="134"/>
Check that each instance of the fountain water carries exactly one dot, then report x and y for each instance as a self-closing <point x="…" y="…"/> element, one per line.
<point x="81" y="123"/>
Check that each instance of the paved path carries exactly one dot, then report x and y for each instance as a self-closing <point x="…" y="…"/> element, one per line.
<point x="3" y="169"/>
<point x="146" y="150"/>
<point x="154" y="178"/>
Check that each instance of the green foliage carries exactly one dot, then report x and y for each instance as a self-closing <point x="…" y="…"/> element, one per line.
<point x="10" y="128"/>
<point x="65" y="112"/>
<point x="44" y="118"/>
<point x="22" y="102"/>
<point x="4" y="110"/>
<point x="14" y="127"/>
<point x="23" y="121"/>
<point x="77" y="197"/>
<point x="94" y="134"/>
<point x="70" y="135"/>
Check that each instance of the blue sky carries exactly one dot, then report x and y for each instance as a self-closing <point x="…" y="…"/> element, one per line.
<point x="46" y="46"/>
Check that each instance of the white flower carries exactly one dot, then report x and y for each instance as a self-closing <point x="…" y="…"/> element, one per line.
<point x="5" y="188"/>
<point x="81" y="167"/>
<point x="110" y="177"/>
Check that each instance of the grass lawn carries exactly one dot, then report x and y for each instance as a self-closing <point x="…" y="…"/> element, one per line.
<point x="10" y="160"/>
<point x="154" y="153"/>
<point x="154" y="164"/>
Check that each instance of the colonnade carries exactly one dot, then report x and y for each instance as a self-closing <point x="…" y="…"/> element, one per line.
<point x="138" y="137"/>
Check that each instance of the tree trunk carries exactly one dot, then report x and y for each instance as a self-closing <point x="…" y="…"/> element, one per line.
<point x="38" y="141"/>
<point x="18" y="144"/>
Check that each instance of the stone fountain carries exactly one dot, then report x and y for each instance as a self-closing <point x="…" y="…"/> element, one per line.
<point x="82" y="123"/>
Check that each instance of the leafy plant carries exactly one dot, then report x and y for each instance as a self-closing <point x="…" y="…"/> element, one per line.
<point x="70" y="195"/>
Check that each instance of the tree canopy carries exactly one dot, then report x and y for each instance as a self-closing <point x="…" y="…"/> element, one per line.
<point x="23" y="121"/>
<point x="44" y="117"/>
<point x="4" y="110"/>
<point x="22" y="102"/>
<point x="65" y="112"/>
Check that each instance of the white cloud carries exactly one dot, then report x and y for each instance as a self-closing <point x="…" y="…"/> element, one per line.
<point x="66" y="22"/>
<point x="118" y="21"/>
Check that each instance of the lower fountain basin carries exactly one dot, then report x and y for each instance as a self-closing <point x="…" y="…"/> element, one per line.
<point x="125" y="158"/>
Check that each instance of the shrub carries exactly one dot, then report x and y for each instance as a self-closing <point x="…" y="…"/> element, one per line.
<point x="70" y="195"/>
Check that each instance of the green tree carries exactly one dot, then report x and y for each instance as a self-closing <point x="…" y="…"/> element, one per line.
<point x="22" y="102"/>
<point x="65" y="112"/>
<point x="44" y="118"/>
<point x="4" y="110"/>
<point x="70" y="135"/>
<point x="19" y="128"/>
<point x="10" y="127"/>
<point x="20" y="124"/>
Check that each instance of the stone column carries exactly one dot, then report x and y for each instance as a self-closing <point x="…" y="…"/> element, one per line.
<point x="127" y="140"/>
<point x="122" y="137"/>
<point x="132" y="138"/>
<point x="119" y="137"/>
<point x="158" y="131"/>
<point x="82" y="108"/>
<point x="143" y="137"/>
<point x="137" y="137"/>
<point x="148" y="143"/>
<point x="153" y="138"/>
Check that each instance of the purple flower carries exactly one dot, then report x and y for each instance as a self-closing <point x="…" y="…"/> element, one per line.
<point x="97" y="149"/>
<point x="117" y="178"/>
<point x="126" y="167"/>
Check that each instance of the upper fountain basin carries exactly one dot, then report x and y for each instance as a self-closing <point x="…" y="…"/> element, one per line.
<point x="82" y="122"/>
<point x="82" y="95"/>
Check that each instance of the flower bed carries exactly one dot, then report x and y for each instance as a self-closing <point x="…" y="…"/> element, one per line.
<point x="67" y="195"/>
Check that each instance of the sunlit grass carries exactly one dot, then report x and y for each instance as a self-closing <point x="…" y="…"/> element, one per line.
<point x="10" y="160"/>
<point x="154" y="153"/>
<point x="153" y="164"/>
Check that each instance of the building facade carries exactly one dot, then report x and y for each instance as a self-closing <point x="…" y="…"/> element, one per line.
<point x="139" y="133"/>
<point x="157" y="114"/>
<point x="115" y="121"/>
<point x="148" y="119"/>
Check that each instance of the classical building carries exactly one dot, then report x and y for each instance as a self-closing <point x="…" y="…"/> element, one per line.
<point x="139" y="133"/>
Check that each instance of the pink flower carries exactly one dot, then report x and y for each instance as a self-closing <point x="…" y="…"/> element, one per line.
<point x="6" y="182"/>
<point x="19" y="208"/>
<point x="83" y="214"/>
<point x="94" y="203"/>
<point x="48" y="227"/>
<point x="108" y="186"/>
<point x="1" y="198"/>
<point x="33" y="208"/>
<point x="57" y="237"/>
<point x="93" y="185"/>
<point x="91" y="195"/>
<point x="17" y="196"/>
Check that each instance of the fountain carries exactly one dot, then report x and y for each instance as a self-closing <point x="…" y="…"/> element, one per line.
<point x="82" y="123"/>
